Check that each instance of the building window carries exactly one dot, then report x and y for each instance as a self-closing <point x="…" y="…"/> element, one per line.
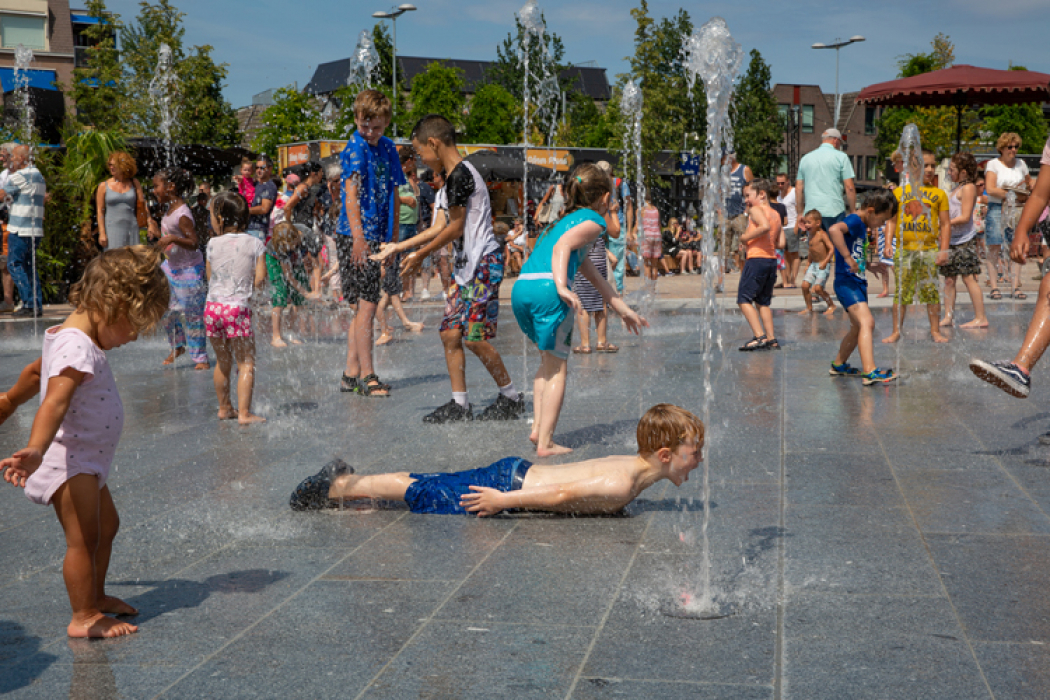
<point x="870" y="115"/>
<point x="807" y="119"/>
<point x="28" y="30"/>
<point x="782" y="112"/>
<point x="873" y="168"/>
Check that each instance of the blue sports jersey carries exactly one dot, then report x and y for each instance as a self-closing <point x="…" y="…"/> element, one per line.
<point x="856" y="236"/>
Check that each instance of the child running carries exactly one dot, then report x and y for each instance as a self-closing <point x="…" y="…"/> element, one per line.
<point x="821" y="253"/>
<point x="236" y="267"/>
<point x="66" y="464"/>
<point x="545" y="304"/>
<point x="851" y="287"/>
<point x="670" y="446"/>
<point x="763" y="236"/>
<point x="177" y="237"/>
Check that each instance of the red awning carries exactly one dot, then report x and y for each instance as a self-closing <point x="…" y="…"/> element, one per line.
<point x="960" y="85"/>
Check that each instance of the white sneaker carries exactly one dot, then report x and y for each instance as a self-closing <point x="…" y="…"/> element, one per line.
<point x="424" y="295"/>
<point x="18" y="306"/>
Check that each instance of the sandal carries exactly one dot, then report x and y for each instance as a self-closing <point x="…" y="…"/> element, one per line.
<point x="754" y="344"/>
<point x="1019" y="295"/>
<point x="349" y="385"/>
<point x="371" y="386"/>
<point x="770" y="344"/>
<point x="995" y="294"/>
<point x="582" y="350"/>
<point x="606" y="347"/>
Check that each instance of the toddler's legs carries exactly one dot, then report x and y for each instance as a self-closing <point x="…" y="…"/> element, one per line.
<point x="78" y="505"/>
<point x="807" y="297"/>
<point x="221" y="376"/>
<point x="399" y="309"/>
<point x="933" y="311"/>
<point x="244" y="352"/>
<point x="386" y="333"/>
<point x="548" y="395"/>
<point x="823" y="294"/>
<point x="899" y="312"/>
<point x="109" y="524"/>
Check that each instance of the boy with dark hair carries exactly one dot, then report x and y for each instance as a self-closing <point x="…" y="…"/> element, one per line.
<point x="851" y="287"/>
<point x="368" y="218"/>
<point x="670" y="446"/>
<point x="472" y="309"/>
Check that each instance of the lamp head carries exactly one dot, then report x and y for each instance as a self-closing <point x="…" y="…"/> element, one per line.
<point x="818" y="45"/>
<point x="856" y="37"/>
<point x="382" y="15"/>
<point x="410" y="8"/>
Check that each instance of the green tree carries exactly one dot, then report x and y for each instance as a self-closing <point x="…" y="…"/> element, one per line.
<point x="492" y="117"/>
<point x="757" y="129"/>
<point x="292" y="117"/>
<point x="1025" y="120"/>
<point x="587" y="126"/>
<point x="98" y="88"/>
<point x="509" y="71"/>
<point x="207" y="118"/>
<point x="438" y="90"/>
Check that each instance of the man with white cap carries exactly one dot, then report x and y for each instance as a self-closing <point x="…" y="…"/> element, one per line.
<point x="825" y="181"/>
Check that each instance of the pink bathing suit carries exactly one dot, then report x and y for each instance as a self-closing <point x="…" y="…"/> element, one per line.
<point x="89" y="433"/>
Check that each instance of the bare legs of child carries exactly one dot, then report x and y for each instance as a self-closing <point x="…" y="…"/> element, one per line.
<point x="1037" y="337"/>
<point x="808" y="291"/>
<point x="377" y="487"/>
<point x="760" y="318"/>
<point x="899" y="312"/>
<point x="974" y="290"/>
<point x="548" y="393"/>
<point x="386" y="333"/>
<point x="861" y="335"/>
<point x="601" y="327"/>
<point x="90" y="522"/>
<point x="456" y="358"/>
<point x="277" y="341"/>
<point x="241" y="350"/>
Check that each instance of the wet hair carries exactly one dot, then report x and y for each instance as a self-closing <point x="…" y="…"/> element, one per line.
<point x="667" y="425"/>
<point x="1007" y="139"/>
<point x="286" y="237"/>
<point x="405" y="154"/>
<point x="434" y="126"/>
<point x="231" y="209"/>
<point x="127" y="282"/>
<point x="967" y="166"/>
<point x="371" y="104"/>
<point x="125" y="163"/>
<point x="180" y="178"/>
<point x="586" y="186"/>
<point x="881" y="202"/>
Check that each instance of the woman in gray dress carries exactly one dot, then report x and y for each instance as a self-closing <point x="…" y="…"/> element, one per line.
<point x="117" y="199"/>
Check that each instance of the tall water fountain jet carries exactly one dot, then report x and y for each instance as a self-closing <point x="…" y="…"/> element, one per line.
<point x="910" y="149"/>
<point x="23" y="59"/>
<point x="163" y="91"/>
<point x="714" y="56"/>
<point x="364" y="62"/>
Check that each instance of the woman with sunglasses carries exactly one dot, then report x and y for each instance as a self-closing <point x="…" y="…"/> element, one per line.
<point x="1007" y="172"/>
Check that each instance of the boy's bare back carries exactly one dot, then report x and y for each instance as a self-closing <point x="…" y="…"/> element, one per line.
<point x="607" y="483"/>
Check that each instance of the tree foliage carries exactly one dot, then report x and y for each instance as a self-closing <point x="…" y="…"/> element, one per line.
<point x="292" y="117"/>
<point x="493" y="116"/>
<point x="757" y="128"/>
<point x="438" y="90"/>
<point x="98" y="88"/>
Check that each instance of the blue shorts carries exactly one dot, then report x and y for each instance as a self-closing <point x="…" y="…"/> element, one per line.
<point x="756" y="281"/>
<point x="439" y="493"/>
<point x="543" y="317"/>
<point x="850" y="290"/>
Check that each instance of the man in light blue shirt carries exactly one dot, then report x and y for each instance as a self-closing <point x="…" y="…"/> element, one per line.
<point x="825" y="181"/>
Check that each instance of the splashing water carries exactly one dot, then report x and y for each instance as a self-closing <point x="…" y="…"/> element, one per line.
<point x="715" y="57"/>
<point x="163" y="91"/>
<point x="364" y="62"/>
<point x="24" y="104"/>
<point x="911" y="204"/>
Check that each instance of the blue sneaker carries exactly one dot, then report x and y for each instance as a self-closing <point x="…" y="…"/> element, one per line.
<point x="844" y="370"/>
<point x="1005" y="375"/>
<point x="878" y="376"/>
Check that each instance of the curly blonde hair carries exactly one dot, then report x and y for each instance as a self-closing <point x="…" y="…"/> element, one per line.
<point x="1008" y="139"/>
<point x="125" y="163"/>
<point x="667" y="425"/>
<point x="124" y="282"/>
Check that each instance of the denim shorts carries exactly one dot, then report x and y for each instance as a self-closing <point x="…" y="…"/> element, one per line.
<point x="440" y="492"/>
<point x="994" y="234"/>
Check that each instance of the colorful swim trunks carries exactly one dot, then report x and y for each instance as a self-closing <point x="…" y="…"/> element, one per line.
<point x="225" y="321"/>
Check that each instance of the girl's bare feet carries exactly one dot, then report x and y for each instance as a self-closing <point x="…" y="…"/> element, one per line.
<point x="278" y="343"/>
<point x="534" y="437"/>
<point x="384" y="338"/>
<point x="892" y="338"/>
<point x="170" y="360"/>
<point x="202" y="365"/>
<point x="552" y="450"/>
<point x="227" y="414"/>
<point x="803" y="312"/>
<point x="948" y="320"/>
<point x="295" y="341"/>
<point x="938" y="338"/>
<point x="975" y="324"/>
<point x="96" y="625"/>
<point x="415" y="327"/>
<point x="885" y="293"/>
<point x="247" y="418"/>
<point x="115" y="606"/>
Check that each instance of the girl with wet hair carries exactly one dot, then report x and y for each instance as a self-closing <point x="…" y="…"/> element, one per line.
<point x="177" y="237"/>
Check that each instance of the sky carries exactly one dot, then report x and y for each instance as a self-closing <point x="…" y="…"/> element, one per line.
<point x="272" y="44"/>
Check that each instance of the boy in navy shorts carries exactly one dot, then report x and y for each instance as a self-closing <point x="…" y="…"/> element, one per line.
<point x="851" y="287"/>
<point x="764" y="235"/>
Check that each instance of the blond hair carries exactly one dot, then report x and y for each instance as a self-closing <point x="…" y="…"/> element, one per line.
<point x="667" y="425"/>
<point x="124" y="282"/>
<point x="371" y="104"/>
<point x="286" y="237"/>
<point x="1008" y="139"/>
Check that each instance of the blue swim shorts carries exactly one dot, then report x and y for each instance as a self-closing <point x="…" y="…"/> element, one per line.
<point x="543" y="316"/>
<point x="439" y="493"/>
<point x="850" y="290"/>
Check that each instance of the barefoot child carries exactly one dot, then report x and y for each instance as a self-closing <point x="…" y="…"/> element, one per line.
<point x="851" y="287"/>
<point x="236" y="267"/>
<point x="821" y="252"/>
<point x="287" y="273"/>
<point x="123" y="293"/>
<point x="763" y="236"/>
<point x="545" y="305"/>
<point x="670" y="445"/>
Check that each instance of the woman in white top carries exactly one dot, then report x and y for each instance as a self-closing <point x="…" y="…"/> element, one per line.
<point x="963" y="260"/>
<point x="1007" y="172"/>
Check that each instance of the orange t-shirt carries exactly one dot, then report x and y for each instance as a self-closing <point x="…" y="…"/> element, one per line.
<point x="764" y="246"/>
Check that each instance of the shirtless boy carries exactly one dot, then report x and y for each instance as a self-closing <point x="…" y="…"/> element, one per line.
<point x="821" y="252"/>
<point x="670" y="441"/>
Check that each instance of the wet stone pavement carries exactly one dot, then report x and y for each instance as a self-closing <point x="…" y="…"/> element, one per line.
<point x="882" y="542"/>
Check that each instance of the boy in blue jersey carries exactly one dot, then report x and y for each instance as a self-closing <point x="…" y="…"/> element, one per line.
<point x="851" y="287"/>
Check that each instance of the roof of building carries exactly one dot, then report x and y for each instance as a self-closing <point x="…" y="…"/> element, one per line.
<point x="329" y="77"/>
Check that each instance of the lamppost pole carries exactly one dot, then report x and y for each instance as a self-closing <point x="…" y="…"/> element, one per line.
<point x="392" y="15"/>
<point x="838" y="44"/>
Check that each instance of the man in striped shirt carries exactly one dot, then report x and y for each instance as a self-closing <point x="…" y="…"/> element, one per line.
<point x="25" y="190"/>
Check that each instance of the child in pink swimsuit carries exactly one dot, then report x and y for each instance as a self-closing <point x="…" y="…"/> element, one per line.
<point x="66" y="464"/>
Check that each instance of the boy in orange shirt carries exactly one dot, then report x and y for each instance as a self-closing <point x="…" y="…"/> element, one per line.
<point x="763" y="236"/>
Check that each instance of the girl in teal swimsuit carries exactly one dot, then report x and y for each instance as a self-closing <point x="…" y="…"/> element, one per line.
<point x="545" y="305"/>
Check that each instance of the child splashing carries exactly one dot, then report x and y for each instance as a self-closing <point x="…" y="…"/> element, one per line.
<point x="74" y="436"/>
<point x="544" y="304"/>
<point x="177" y="237"/>
<point x="236" y="267"/>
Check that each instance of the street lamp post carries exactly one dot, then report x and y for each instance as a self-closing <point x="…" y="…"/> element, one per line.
<point x="392" y="15"/>
<point x="838" y="44"/>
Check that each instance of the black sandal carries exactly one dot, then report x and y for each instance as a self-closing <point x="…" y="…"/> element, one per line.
<point x="754" y="344"/>
<point x="771" y="344"/>
<point x="349" y="385"/>
<point x="366" y="387"/>
<point x="995" y="294"/>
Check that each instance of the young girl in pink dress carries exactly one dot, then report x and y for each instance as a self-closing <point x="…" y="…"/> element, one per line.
<point x="66" y="464"/>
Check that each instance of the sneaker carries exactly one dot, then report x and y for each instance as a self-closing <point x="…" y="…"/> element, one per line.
<point x="1005" y="375"/>
<point x="844" y="370"/>
<point x="504" y="409"/>
<point x="312" y="492"/>
<point x="878" y="376"/>
<point x="449" y="413"/>
<point x="424" y="295"/>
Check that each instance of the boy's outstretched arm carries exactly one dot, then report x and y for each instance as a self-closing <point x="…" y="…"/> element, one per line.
<point x="27" y="386"/>
<point x="595" y="495"/>
<point x="457" y="218"/>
